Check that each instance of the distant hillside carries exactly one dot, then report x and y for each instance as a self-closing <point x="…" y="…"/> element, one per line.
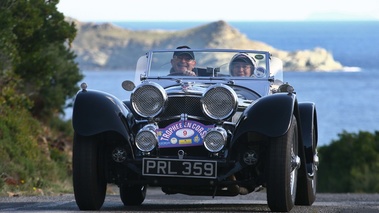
<point x="108" y="47"/>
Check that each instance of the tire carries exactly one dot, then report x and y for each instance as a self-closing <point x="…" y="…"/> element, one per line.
<point x="307" y="183"/>
<point x="132" y="195"/>
<point x="282" y="170"/>
<point x="88" y="173"/>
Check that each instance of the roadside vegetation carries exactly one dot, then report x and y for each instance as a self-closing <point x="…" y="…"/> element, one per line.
<point x="350" y="164"/>
<point x="38" y="74"/>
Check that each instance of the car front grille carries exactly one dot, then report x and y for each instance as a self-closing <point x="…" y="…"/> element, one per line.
<point x="189" y="105"/>
<point x="176" y="106"/>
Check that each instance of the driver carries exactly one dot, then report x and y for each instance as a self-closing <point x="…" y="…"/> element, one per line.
<point x="242" y="65"/>
<point x="183" y="63"/>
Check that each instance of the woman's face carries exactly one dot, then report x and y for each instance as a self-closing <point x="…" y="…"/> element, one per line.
<point x="241" y="69"/>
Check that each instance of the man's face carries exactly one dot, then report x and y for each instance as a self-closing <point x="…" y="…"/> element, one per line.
<point x="183" y="62"/>
<point x="241" y="69"/>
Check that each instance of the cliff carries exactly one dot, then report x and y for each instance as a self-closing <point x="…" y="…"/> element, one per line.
<point x="108" y="47"/>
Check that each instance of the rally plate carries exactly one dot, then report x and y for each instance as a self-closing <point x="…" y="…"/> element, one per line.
<point x="179" y="168"/>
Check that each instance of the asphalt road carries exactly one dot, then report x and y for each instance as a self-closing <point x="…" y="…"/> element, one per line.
<point x="156" y="201"/>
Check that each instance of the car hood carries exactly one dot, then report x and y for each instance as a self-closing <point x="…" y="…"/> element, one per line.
<point x="198" y="89"/>
<point x="187" y="88"/>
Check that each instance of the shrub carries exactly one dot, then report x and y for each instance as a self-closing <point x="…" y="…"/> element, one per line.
<point x="350" y="164"/>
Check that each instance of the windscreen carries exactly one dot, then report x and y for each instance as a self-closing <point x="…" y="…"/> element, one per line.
<point x="202" y="63"/>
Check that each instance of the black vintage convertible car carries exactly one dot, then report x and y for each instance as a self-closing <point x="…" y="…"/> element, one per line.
<point x="209" y="122"/>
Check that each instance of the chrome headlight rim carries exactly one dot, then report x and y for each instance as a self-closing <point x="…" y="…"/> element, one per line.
<point x="223" y="139"/>
<point x="233" y="102"/>
<point x="149" y="129"/>
<point x="137" y="106"/>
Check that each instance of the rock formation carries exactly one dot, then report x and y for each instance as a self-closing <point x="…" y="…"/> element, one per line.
<point x="108" y="47"/>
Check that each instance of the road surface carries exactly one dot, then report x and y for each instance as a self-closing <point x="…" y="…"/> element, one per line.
<point x="156" y="201"/>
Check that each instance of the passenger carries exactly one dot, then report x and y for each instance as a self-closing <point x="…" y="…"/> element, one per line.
<point x="242" y="65"/>
<point x="183" y="63"/>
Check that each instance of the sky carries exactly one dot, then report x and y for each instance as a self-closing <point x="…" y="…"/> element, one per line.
<point x="227" y="10"/>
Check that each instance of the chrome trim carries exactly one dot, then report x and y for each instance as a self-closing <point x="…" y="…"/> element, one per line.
<point x="223" y="134"/>
<point x="234" y="104"/>
<point x="162" y="92"/>
<point x="151" y="128"/>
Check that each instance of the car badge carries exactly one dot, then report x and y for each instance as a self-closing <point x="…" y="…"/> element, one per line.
<point x="186" y="87"/>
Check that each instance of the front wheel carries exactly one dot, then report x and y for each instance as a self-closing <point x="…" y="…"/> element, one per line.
<point x="282" y="168"/>
<point x="88" y="173"/>
<point x="132" y="195"/>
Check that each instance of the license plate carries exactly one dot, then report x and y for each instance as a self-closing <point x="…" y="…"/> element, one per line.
<point x="179" y="168"/>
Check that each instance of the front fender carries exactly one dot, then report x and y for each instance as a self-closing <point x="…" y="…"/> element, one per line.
<point x="269" y="116"/>
<point x="96" y="112"/>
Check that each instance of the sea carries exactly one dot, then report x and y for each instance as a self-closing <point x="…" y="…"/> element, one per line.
<point x="346" y="100"/>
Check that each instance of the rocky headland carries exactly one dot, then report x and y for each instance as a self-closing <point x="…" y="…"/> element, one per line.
<point x="109" y="47"/>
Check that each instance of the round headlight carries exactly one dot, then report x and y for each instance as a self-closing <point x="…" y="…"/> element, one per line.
<point x="215" y="139"/>
<point x="146" y="138"/>
<point x="149" y="99"/>
<point x="219" y="102"/>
